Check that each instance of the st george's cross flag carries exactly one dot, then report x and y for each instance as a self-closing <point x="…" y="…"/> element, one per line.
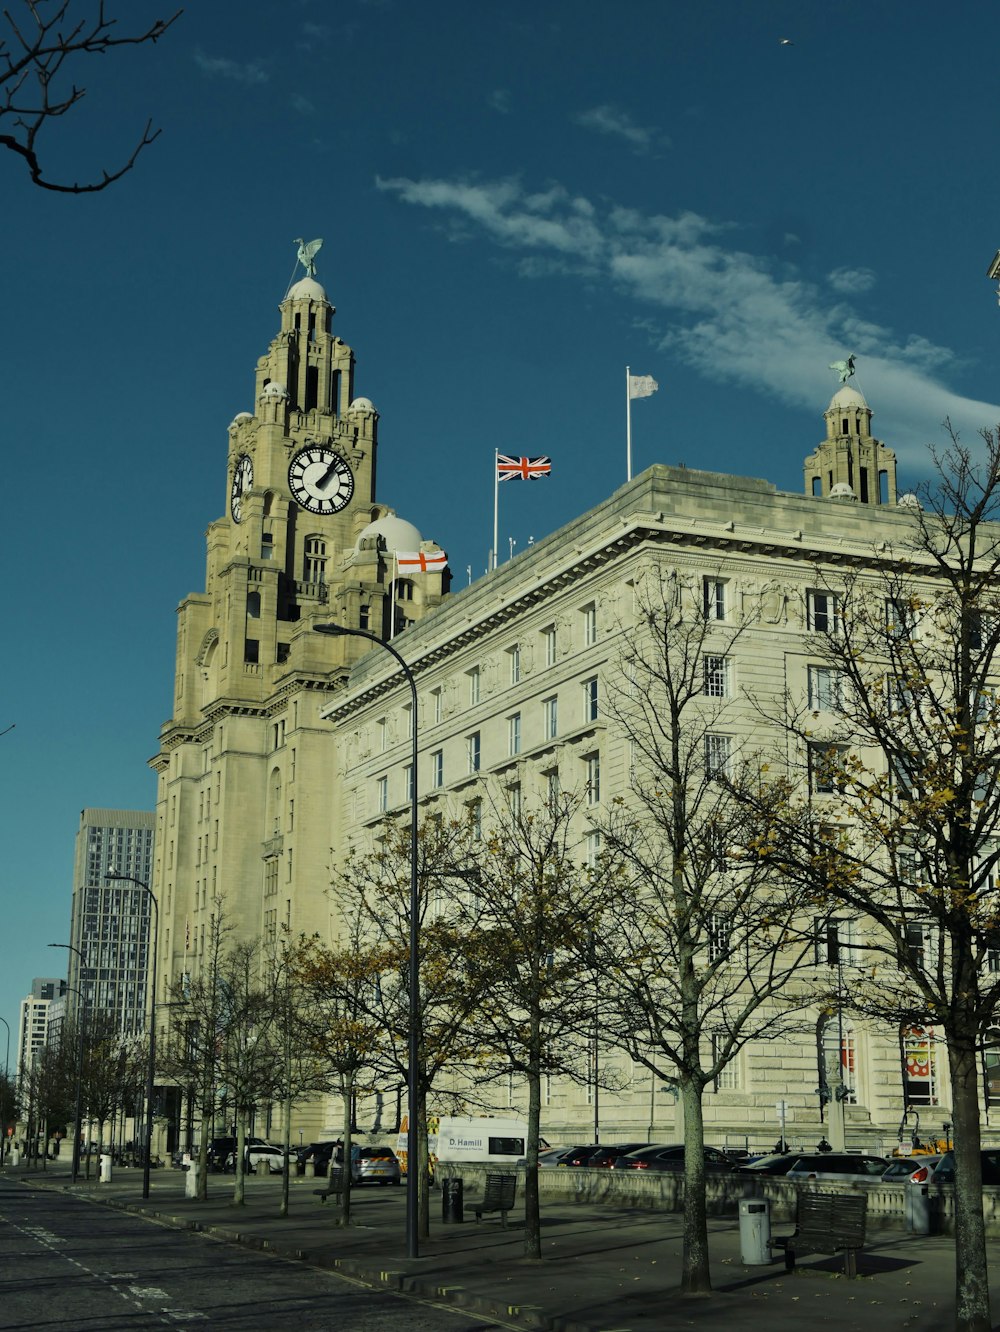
<point x="522" y="469"/>
<point x="421" y="561"/>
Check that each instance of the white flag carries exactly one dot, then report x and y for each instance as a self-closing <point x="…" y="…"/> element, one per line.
<point x="641" y="386"/>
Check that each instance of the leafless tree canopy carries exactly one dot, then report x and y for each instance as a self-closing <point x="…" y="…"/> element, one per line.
<point x="37" y="39"/>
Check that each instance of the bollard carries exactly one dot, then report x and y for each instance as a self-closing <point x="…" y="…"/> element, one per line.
<point x="755" y="1231"/>
<point x="917" y="1208"/>
<point x="310" y="1169"/>
<point x="452" y="1203"/>
<point x="190" y="1178"/>
<point x="15" y="1157"/>
<point x="105" y="1168"/>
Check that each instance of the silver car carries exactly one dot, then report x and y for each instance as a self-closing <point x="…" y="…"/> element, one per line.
<point x="839" y="1167"/>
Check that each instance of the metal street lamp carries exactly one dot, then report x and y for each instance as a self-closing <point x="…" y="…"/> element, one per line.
<point x="80" y="1028"/>
<point x="6" y="1084"/>
<point x="413" y="1051"/>
<point x="151" y="1065"/>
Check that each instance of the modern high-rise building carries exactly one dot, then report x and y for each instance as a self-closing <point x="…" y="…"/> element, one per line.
<point x="32" y="1035"/>
<point x="110" y="925"/>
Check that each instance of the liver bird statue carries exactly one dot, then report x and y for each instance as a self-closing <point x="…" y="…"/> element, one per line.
<point x="844" y="368"/>
<point x="306" y="256"/>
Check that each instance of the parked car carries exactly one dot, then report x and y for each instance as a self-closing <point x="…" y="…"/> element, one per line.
<point x="264" y="1157"/>
<point x="944" y="1172"/>
<point x="318" y="1153"/>
<point x="222" y="1154"/>
<point x="910" y="1169"/>
<point x="376" y="1165"/>
<point x="607" y="1157"/>
<point x="839" y="1167"/>
<point x="550" y="1157"/>
<point x="671" y="1158"/>
<point x="769" y="1165"/>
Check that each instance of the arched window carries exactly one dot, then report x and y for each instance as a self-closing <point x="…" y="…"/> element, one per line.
<point x="315" y="560"/>
<point x="918" y="1046"/>
<point x="838" y="1060"/>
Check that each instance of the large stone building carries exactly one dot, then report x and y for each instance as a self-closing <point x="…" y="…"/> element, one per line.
<point x="285" y="743"/>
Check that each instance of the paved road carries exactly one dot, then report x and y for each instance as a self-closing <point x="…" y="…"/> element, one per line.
<point x="67" y="1266"/>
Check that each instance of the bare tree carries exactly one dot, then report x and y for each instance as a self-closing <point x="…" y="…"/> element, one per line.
<point x="887" y="804"/>
<point x="373" y="887"/>
<point x="530" y="910"/>
<point x="41" y="37"/>
<point x="706" y="947"/>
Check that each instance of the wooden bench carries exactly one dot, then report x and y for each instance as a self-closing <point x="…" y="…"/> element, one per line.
<point x="498" y="1195"/>
<point x="334" y="1184"/>
<point x="827" y="1223"/>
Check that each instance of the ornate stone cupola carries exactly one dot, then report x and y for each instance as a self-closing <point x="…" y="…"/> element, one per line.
<point x="850" y="458"/>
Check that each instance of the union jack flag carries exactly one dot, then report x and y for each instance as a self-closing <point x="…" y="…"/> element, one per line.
<point x="522" y="469"/>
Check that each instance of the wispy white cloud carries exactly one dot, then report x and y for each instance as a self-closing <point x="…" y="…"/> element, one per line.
<point x="499" y="100"/>
<point x="302" y="105"/>
<point x="224" y="68"/>
<point x="613" y="120"/>
<point x="734" y="316"/>
<point x="851" y="281"/>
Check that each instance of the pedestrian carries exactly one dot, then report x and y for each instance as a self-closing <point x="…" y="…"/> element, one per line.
<point x="780" y="1147"/>
<point x="823" y="1146"/>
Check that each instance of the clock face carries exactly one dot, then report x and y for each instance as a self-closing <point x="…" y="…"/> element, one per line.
<point x="320" y="480"/>
<point x="242" y="481"/>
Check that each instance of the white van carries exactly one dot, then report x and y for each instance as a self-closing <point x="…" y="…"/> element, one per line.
<point x="472" y="1138"/>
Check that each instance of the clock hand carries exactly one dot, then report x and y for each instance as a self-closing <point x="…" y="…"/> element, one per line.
<point x="327" y="474"/>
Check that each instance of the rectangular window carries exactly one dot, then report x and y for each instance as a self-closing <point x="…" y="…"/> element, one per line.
<point x="714" y="598"/>
<point x="728" y="1076"/>
<point x="549" y="645"/>
<point x="472" y="751"/>
<point x="593" y="847"/>
<point x="251" y="650"/>
<point x="589" y="625"/>
<point x="408" y="781"/>
<point x="514" y="734"/>
<point x="590" y="707"/>
<point x="514" y="658"/>
<point x="826" y="689"/>
<point x="823" y="612"/>
<point x="266" y="546"/>
<point x="834" y="940"/>
<point x="898" y="617"/>
<point x="593" y="778"/>
<point x="474" y="686"/>
<point x="550" y="717"/>
<point x="382" y="795"/>
<point x="514" y="800"/>
<point x="408" y="720"/>
<point x="382" y="730"/>
<point x="552" y="787"/>
<point x="436" y="705"/>
<point x="437" y="769"/>
<point x="827" y="773"/>
<point x="717" y="677"/>
<point x="717" y="930"/>
<point x="476" y="819"/>
<point x="718" y="754"/>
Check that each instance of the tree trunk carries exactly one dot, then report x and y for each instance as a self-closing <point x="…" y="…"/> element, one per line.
<point x="695" y="1276"/>
<point x="347" y="1091"/>
<point x="239" y="1188"/>
<point x="532" y="1217"/>
<point x="972" y="1292"/>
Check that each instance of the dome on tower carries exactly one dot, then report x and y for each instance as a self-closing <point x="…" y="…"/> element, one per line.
<point x="842" y="491"/>
<point x="362" y="405"/>
<point x="306" y="289"/>
<point x="275" y="390"/>
<point x="397" y="533"/>
<point x="846" y="396"/>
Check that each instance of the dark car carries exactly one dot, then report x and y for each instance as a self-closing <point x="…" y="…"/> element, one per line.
<point x="839" y="1167"/>
<point x="944" y="1172"/>
<point x="769" y="1165"/>
<point x="316" y="1153"/>
<point x="672" y="1158"/>
<point x="607" y="1157"/>
<point x="578" y="1156"/>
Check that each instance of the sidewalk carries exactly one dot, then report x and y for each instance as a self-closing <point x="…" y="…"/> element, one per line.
<point x="604" y="1268"/>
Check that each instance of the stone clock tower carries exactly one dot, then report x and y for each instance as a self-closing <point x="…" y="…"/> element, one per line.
<point x="246" y="783"/>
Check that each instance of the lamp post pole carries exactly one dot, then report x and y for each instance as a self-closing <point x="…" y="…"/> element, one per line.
<point x="151" y="1062"/>
<point x="413" y="1050"/>
<point x="6" y="1085"/>
<point x="80" y="1030"/>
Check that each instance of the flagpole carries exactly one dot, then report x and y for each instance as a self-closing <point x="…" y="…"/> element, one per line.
<point x="628" y="426"/>
<point x="496" y="504"/>
<point x="392" y="600"/>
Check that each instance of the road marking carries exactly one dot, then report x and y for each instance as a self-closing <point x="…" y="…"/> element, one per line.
<point x="182" y="1315"/>
<point x="149" y="1293"/>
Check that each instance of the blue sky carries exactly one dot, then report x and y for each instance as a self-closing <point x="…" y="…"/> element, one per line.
<point x="517" y="200"/>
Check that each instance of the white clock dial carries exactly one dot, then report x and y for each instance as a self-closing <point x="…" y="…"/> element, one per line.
<point x="320" y="480"/>
<point x="242" y="481"/>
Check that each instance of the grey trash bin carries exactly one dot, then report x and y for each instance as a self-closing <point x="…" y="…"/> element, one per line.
<point x="452" y="1200"/>
<point x="917" y="1208"/>
<point x="755" y="1231"/>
